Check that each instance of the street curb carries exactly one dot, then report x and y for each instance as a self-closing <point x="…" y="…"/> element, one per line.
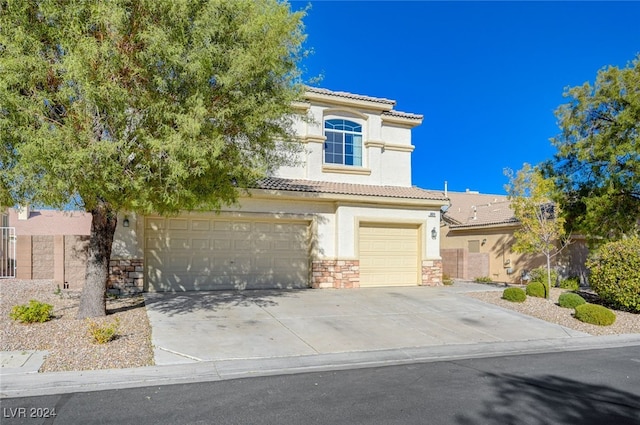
<point x="38" y="384"/>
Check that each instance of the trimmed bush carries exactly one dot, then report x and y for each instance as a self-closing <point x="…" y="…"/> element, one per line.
<point x="595" y="314"/>
<point x="570" y="300"/>
<point x="572" y="283"/>
<point x="515" y="295"/>
<point x="483" y="279"/>
<point x="537" y="289"/>
<point x="615" y="274"/>
<point x="34" y="312"/>
<point x="446" y="280"/>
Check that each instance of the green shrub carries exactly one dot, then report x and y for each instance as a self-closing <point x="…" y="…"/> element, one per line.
<point x="34" y="312"/>
<point x="570" y="300"/>
<point x="537" y="289"/>
<point x="615" y="274"/>
<point x="103" y="333"/>
<point x="515" y="295"/>
<point x="571" y="283"/>
<point x="540" y="275"/>
<point x="446" y="280"/>
<point x="595" y="314"/>
<point x="483" y="279"/>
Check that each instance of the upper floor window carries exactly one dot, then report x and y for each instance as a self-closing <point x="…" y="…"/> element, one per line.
<point x="344" y="142"/>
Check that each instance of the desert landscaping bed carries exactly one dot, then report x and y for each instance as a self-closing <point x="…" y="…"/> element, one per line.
<point x="66" y="338"/>
<point x="550" y="311"/>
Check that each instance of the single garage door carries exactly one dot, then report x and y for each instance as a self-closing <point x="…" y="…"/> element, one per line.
<point x="209" y="253"/>
<point x="389" y="255"/>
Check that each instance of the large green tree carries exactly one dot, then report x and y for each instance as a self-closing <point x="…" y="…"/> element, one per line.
<point x="542" y="228"/>
<point x="597" y="164"/>
<point x="143" y="105"/>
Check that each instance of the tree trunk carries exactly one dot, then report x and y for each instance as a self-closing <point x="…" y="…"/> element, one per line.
<point x="103" y="227"/>
<point x="548" y="291"/>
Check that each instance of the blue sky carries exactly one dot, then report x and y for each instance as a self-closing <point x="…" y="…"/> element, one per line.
<point x="487" y="76"/>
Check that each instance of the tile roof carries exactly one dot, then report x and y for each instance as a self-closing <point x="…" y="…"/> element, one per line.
<point x="472" y="209"/>
<point x="348" y="95"/>
<point x="403" y="115"/>
<point x="311" y="186"/>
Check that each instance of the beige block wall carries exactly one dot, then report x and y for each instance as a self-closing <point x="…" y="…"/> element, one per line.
<point x="75" y="259"/>
<point x="61" y="258"/>
<point x="42" y="258"/>
<point x="23" y="257"/>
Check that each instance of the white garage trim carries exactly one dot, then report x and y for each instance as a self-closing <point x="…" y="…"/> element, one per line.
<point x="209" y="252"/>
<point x="390" y="254"/>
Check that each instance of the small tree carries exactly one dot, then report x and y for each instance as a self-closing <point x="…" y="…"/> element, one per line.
<point x="143" y="106"/>
<point x="542" y="225"/>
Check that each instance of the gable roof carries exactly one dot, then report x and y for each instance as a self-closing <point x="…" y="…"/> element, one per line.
<point x="322" y="187"/>
<point x="473" y="209"/>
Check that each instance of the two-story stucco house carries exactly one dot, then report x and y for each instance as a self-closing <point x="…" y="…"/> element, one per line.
<point x="347" y="216"/>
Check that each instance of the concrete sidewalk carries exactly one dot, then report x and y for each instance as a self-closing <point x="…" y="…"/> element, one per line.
<point x="212" y="336"/>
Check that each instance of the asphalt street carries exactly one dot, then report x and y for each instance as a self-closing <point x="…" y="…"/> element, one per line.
<point x="578" y="387"/>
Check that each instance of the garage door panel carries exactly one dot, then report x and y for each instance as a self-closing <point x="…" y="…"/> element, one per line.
<point x="241" y="227"/>
<point x="200" y="253"/>
<point x="178" y="224"/>
<point x="179" y="244"/>
<point x="200" y="244"/>
<point x="200" y="225"/>
<point x="389" y="255"/>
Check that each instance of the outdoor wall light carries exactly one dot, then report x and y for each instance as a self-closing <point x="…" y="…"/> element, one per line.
<point x="484" y="241"/>
<point x="434" y="233"/>
<point x="125" y="222"/>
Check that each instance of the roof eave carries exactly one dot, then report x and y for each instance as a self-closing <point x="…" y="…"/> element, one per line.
<point x="336" y="197"/>
<point x="485" y="225"/>
<point x="347" y="101"/>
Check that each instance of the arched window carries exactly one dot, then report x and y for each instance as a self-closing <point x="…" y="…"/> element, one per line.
<point x="344" y="142"/>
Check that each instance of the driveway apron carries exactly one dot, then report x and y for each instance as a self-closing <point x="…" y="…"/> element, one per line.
<point x="203" y="326"/>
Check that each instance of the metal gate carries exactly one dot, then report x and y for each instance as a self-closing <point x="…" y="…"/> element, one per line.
<point x="7" y="252"/>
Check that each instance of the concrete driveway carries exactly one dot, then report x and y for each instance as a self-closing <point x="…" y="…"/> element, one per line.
<point x="204" y="326"/>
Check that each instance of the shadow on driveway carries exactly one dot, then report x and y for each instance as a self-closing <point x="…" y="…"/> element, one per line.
<point x="172" y="304"/>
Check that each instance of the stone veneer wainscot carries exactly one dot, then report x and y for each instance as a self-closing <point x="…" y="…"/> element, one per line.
<point x="126" y="277"/>
<point x="431" y="272"/>
<point x="335" y="274"/>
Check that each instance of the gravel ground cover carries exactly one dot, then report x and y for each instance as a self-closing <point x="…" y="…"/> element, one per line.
<point x="66" y="338"/>
<point x="549" y="310"/>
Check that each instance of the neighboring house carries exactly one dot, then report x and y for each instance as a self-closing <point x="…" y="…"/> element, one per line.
<point x="347" y="217"/>
<point x="478" y="236"/>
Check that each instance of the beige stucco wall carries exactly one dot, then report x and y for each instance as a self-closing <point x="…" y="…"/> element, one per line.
<point x="505" y="265"/>
<point x="386" y="149"/>
<point x="334" y="226"/>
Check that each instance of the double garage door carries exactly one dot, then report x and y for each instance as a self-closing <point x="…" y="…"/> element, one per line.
<point x="389" y="255"/>
<point x="210" y="253"/>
